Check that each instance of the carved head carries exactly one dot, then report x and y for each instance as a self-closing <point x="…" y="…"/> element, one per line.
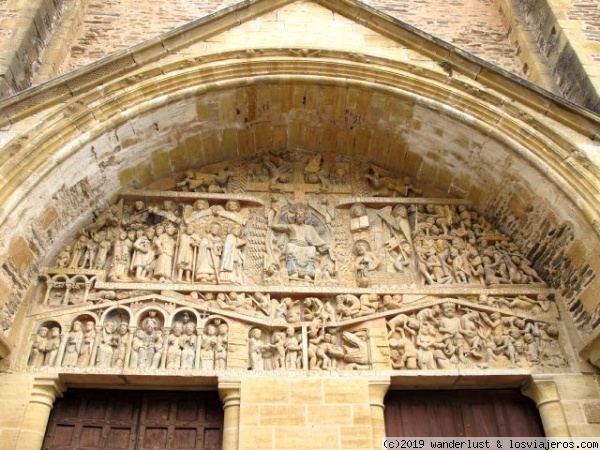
<point x="361" y="247"/>
<point x="358" y="210"/>
<point x="150" y="325"/>
<point x="223" y="329"/>
<point x="200" y="205"/>
<point x="256" y="333"/>
<point x="236" y="230"/>
<point x="177" y="328"/>
<point x="211" y="330"/>
<point x="400" y="211"/>
<point x="449" y="309"/>
<point x="232" y="205"/>
<point x="55" y="332"/>
<point x="77" y="325"/>
<point x="215" y="228"/>
<point x="110" y="326"/>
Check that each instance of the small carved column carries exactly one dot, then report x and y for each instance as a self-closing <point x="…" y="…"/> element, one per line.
<point x="45" y="390"/>
<point x="545" y="395"/>
<point x="229" y="392"/>
<point x="378" y="387"/>
<point x="99" y="329"/>
<point x="165" y="349"/>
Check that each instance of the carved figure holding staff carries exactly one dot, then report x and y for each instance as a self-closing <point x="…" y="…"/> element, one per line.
<point x="209" y="255"/>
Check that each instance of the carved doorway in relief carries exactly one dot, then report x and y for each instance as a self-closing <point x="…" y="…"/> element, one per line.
<point x="464" y="413"/>
<point x="135" y="420"/>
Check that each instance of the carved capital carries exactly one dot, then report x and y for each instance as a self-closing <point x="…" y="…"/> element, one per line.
<point x="541" y="390"/>
<point x="46" y="388"/>
<point x="378" y="387"/>
<point x="229" y="391"/>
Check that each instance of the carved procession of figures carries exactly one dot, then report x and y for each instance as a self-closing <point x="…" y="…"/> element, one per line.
<point x="114" y="343"/>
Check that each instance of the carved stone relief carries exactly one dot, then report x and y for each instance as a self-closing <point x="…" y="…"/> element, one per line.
<point x="297" y="261"/>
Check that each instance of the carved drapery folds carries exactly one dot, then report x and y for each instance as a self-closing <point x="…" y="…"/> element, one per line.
<point x="295" y="261"/>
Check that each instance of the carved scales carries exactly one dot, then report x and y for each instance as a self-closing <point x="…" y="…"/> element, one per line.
<point x="295" y="261"/>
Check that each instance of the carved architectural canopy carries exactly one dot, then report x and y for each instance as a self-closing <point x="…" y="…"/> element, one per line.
<point x="291" y="261"/>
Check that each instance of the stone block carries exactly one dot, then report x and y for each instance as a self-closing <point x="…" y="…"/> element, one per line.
<point x="361" y="415"/>
<point x="248" y="416"/>
<point x="584" y="430"/>
<point x="329" y="414"/>
<point x="592" y="412"/>
<point x="355" y="438"/>
<point x="293" y="438"/>
<point x="265" y="390"/>
<point x="256" y="438"/>
<point x="306" y="391"/>
<point x="282" y="415"/>
<point x="346" y="391"/>
<point x="576" y="388"/>
<point x="573" y="412"/>
<point x="20" y="254"/>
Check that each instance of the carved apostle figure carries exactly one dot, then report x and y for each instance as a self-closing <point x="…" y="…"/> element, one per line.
<point x="143" y="255"/>
<point x="208" y="347"/>
<point x="209" y="255"/>
<point x="221" y="348"/>
<point x="73" y="345"/>
<point x="52" y="347"/>
<point x="122" y="255"/>
<point x="164" y="248"/>
<point x="108" y="342"/>
<point x="120" y="351"/>
<point x="38" y="348"/>
<point x="232" y="258"/>
<point x="87" y="343"/>
<point x="188" y="243"/>
<point x="188" y="346"/>
<point x="174" y="348"/>
<point x="256" y="350"/>
<point x="292" y="349"/>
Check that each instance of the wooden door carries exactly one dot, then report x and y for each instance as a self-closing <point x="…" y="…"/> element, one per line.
<point x="135" y="420"/>
<point x="466" y="413"/>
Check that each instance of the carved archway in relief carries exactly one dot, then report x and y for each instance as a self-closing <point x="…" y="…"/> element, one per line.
<point x="294" y="260"/>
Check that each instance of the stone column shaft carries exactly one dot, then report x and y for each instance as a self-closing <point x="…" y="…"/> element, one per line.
<point x="377" y="390"/>
<point x="229" y="392"/>
<point x="45" y="390"/>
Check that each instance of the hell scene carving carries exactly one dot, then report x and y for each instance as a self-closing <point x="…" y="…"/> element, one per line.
<point x="294" y="261"/>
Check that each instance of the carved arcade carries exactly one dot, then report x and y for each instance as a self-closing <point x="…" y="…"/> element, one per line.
<point x="295" y="261"/>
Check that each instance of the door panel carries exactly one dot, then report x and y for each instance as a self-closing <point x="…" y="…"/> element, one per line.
<point x="135" y="420"/>
<point x="468" y="413"/>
